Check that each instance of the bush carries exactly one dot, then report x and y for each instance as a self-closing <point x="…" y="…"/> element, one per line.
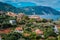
<point x="11" y="36"/>
<point x="58" y="37"/>
<point x="44" y="20"/>
<point x="22" y="22"/>
<point x="52" y="38"/>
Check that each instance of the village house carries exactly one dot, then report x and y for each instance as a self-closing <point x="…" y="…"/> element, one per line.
<point x="26" y="34"/>
<point x="6" y="31"/>
<point x="11" y="14"/>
<point x="20" y="16"/>
<point x="39" y="33"/>
<point x="35" y="17"/>
<point x="58" y="26"/>
<point x="19" y="30"/>
<point x="56" y="29"/>
<point x="12" y="21"/>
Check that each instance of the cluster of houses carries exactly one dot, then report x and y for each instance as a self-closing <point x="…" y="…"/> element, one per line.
<point x="20" y="15"/>
<point x="20" y="29"/>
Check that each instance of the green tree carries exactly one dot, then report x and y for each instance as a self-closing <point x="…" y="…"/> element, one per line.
<point x="58" y="37"/>
<point x="52" y="38"/>
<point x="48" y="31"/>
<point x="11" y="36"/>
<point x="44" y="20"/>
<point x="33" y="36"/>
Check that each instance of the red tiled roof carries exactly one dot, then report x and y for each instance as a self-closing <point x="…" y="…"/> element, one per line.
<point x="5" y="31"/>
<point x="58" y="26"/>
<point x="38" y="31"/>
<point x="19" y="28"/>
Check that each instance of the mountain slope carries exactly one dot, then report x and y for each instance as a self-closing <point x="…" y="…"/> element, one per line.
<point x="39" y="10"/>
<point x="7" y="7"/>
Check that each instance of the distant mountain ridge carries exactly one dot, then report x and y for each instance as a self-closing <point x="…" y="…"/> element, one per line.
<point x="39" y="10"/>
<point x="8" y="8"/>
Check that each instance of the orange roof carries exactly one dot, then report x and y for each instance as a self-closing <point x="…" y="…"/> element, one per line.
<point x="19" y="28"/>
<point x="11" y="14"/>
<point x="26" y="34"/>
<point x="5" y="31"/>
<point x="38" y="31"/>
<point x="58" y="26"/>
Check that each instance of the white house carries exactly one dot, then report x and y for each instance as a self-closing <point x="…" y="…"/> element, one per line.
<point x="56" y="30"/>
<point x="12" y="21"/>
<point x="19" y="30"/>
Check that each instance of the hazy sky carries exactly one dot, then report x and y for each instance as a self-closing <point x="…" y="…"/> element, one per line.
<point x="51" y="3"/>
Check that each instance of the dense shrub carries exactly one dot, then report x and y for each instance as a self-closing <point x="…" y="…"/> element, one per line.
<point x="11" y="36"/>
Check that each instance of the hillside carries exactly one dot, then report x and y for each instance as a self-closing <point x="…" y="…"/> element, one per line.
<point x="7" y="7"/>
<point x="39" y="10"/>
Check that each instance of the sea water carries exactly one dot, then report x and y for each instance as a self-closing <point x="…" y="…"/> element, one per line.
<point x="54" y="17"/>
